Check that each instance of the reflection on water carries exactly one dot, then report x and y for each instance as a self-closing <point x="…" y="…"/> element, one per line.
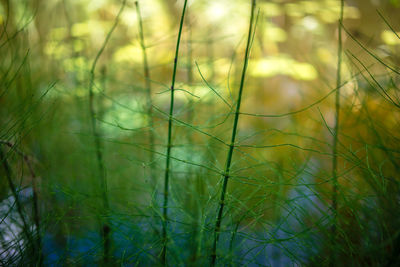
<point x="12" y="241"/>
<point x="292" y="240"/>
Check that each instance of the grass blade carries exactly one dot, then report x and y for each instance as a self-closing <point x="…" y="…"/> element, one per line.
<point x="169" y="146"/>
<point x="106" y="229"/>
<point x="333" y="256"/>
<point x="233" y="138"/>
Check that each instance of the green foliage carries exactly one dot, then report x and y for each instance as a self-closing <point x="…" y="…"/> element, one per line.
<point x="292" y="162"/>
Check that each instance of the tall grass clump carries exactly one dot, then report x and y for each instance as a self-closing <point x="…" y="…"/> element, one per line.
<point x="285" y="156"/>
<point x="21" y="224"/>
<point x="379" y="165"/>
<point x="25" y="226"/>
<point x="33" y="236"/>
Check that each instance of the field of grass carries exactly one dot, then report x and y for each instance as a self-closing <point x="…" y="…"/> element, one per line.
<point x="199" y="133"/>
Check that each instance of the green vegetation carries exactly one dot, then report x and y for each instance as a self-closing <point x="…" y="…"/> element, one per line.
<point x="199" y="133"/>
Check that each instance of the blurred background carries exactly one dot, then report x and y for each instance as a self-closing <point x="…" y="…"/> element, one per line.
<point x="279" y="203"/>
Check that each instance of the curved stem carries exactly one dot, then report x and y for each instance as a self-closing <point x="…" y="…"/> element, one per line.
<point x="146" y="71"/>
<point x="233" y="138"/>
<point x="333" y="256"/>
<point x="105" y="229"/>
<point x="169" y="146"/>
<point x="35" y="197"/>
<point x="20" y="209"/>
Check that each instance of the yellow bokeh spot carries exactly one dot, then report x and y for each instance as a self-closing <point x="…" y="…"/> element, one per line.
<point x="303" y="71"/>
<point x="310" y="7"/>
<point x="80" y="29"/>
<point x="275" y="34"/>
<point x="78" y="45"/>
<point x="129" y="17"/>
<point x="310" y="23"/>
<point x="328" y="15"/>
<point x="266" y="67"/>
<point x="271" y="9"/>
<point x="216" y="10"/>
<point x="72" y="64"/>
<point x="390" y="38"/>
<point x="330" y="11"/>
<point x="294" y="10"/>
<point x="283" y="65"/>
<point x="58" y="33"/>
<point x="129" y="53"/>
<point x="222" y="66"/>
<point x="324" y="55"/>
<point x="351" y="12"/>
<point x="55" y="49"/>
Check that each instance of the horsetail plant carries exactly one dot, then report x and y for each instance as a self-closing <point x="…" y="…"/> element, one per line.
<point x="18" y="204"/>
<point x="169" y="145"/>
<point x="106" y="229"/>
<point x="195" y="248"/>
<point x="333" y="256"/>
<point x="146" y="71"/>
<point x="226" y="174"/>
<point x="38" y="254"/>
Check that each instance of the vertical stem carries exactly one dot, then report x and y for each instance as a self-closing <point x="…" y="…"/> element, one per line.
<point x="105" y="230"/>
<point x="210" y="52"/>
<point x="189" y="51"/>
<point x="192" y="201"/>
<point x="18" y="204"/>
<point x="169" y="146"/>
<point x="35" y="200"/>
<point x="146" y="71"/>
<point x="333" y="256"/>
<point x="233" y="138"/>
<point x="36" y="214"/>
<point x="189" y="70"/>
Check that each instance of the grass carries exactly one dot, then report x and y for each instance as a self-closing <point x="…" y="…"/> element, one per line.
<point x="146" y="71"/>
<point x="333" y="260"/>
<point x="278" y="172"/>
<point x="101" y="171"/>
<point x="169" y="144"/>
<point x="226" y="175"/>
<point x="18" y="204"/>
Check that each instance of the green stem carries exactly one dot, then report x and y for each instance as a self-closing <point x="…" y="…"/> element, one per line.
<point x="105" y="230"/>
<point x="169" y="146"/>
<point x="146" y="71"/>
<point x="20" y="210"/>
<point x="233" y="138"/>
<point x="333" y="256"/>
<point x="36" y="212"/>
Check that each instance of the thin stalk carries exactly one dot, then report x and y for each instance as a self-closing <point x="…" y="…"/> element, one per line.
<point x="233" y="138"/>
<point x="333" y="256"/>
<point x="146" y="71"/>
<point x="169" y="146"/>
<point x="210" y="53"/>
<point x="20" y="210"/>
<point x="36" y="214"/>
<point x="106" y="229"/>
<point x="35" y="200"/>
<point x="190" y="52"/>
<point x="189" y="71"/>
<point x="193" y="202"/>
